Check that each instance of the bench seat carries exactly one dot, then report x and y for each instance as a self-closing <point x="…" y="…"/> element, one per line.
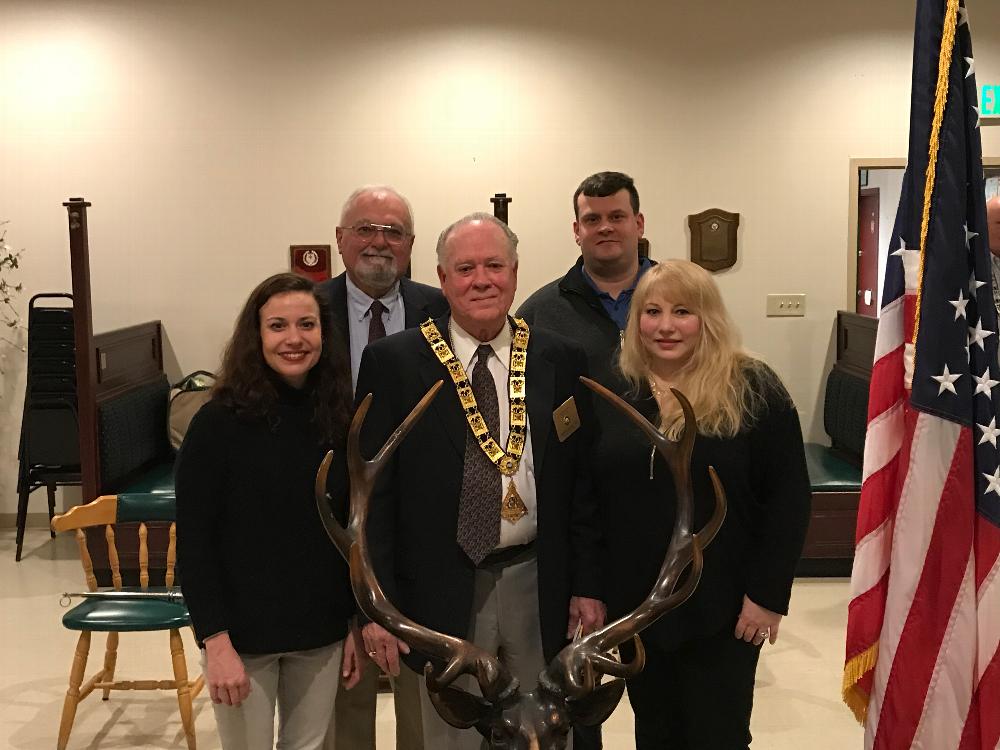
<point x="828" y="472"/>
<point x="836" y="489"/>
<point x="156" y="480"/>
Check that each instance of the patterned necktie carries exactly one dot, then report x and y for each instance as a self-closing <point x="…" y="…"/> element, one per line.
<point x="376" y="328"/>
<point x="479" y="503"/>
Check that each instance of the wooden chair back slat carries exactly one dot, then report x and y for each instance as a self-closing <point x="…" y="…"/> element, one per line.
<point x="88" y="565"/>
<point x="171" y="554"/>
<point x="116" y="570"/>
<point x="143" y="556"/>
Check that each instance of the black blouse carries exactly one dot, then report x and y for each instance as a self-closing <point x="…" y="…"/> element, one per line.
<point x="253" y="554"/>
<point x="767" y="487"/>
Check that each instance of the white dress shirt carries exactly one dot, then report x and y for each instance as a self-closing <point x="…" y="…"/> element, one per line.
<point x="359" y="319"/>
<point x="464" y="346"/>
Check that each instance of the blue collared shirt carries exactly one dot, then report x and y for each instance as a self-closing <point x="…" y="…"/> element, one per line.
<point x="617" y="308"/>
<point x="359" y="318"/>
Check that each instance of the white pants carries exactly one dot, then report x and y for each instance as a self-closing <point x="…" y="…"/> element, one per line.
<point x="303" y="685"/>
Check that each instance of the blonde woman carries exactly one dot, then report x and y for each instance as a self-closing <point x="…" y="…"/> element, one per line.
<point x="696" y="690"/>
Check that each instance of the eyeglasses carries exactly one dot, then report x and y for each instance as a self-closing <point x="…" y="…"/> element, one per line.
<point x="367" y="231"/>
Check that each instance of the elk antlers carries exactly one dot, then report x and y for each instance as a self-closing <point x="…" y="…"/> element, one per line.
<point x="460" y="656"/>
<point x="574" y="676"/>
<point x="579" y="666"/>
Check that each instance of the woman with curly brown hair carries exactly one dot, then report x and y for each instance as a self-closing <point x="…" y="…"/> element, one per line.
<point x="696" y="691"/>
<point x="269" y="596"/>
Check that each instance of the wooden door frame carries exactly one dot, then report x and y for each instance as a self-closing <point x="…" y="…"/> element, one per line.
<point x="852" y="213"/>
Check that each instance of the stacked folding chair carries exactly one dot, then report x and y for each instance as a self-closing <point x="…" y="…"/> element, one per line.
<point x="49" y="451"/>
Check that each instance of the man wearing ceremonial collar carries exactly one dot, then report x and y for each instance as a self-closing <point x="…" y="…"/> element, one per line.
<point x="488" y="499"/>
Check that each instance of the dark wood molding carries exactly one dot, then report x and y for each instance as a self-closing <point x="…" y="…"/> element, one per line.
<point x="831" y="526"/>
<point x="856" y="343"/>
<point x="86" y="356"/>
<point x="127" y="357"/>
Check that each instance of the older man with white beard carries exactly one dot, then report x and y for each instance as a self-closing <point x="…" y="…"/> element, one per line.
<point x="372" y="299"/>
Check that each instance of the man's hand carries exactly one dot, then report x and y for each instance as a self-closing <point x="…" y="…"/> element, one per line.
<point x="227" y="680"/>
<point x="383" y="648"/>
<point x="590" y="613"/>
<point x="354" y="661"/>
<point x="756" y="623"/>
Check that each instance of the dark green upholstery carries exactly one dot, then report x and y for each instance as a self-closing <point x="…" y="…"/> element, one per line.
<point x="146" y="507"/>
<point x="830" y="473"/>
<point x="845" y="411"/>
<point x="104" y="615"/>
<point x="158" y="480"/>
<point x="132" y="433"/>
<point x="150" y="497"/>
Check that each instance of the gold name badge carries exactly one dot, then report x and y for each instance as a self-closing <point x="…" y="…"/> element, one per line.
<point x="566" y="419"/>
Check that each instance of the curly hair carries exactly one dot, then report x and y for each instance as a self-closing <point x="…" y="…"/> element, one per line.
<point x="248" y="385"/>
<point x="727" y="387"/>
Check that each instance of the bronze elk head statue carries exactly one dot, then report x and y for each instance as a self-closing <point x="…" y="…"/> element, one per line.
<point x="570" y="689"/>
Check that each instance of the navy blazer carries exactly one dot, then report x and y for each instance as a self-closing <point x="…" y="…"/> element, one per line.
<point x="413" y="521"/>
<point x="420" y="302"/>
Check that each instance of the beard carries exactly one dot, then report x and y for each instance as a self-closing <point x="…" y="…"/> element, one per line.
<point x="380" y="273"/>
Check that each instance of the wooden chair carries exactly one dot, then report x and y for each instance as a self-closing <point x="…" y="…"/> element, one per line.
<point x="126" y="542"/>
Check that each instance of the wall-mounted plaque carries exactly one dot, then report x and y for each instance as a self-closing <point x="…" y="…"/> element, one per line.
<point x="643" y="247"/>
<point x="311" y="261"/>
<point x="713" y="238"/>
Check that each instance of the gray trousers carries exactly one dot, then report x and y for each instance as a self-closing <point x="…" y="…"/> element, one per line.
<point x="353" y="725"/>
<point x="303" y="686"/>
<point x="504" y="622"/>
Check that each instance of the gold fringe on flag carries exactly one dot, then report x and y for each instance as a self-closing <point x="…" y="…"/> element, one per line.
<point x="854" y="670"/>
<point x="940" y="100"/>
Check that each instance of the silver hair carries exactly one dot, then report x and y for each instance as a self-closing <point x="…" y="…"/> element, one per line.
<point x="371" y="189"/>
<point x="478" y="216"/>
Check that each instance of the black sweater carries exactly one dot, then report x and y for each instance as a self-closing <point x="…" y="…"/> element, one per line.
<point x="251" y="548"/>
<point x="767" y="488"/>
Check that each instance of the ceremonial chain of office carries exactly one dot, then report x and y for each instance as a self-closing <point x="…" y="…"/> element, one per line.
<point x="506" y="461"/>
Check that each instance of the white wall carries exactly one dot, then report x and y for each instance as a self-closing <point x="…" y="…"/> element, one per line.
<point x="210" y="135"/>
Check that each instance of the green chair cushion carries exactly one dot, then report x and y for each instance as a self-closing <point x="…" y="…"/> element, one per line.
<point x="124" y="616"/>
<point x="830" y="473"/>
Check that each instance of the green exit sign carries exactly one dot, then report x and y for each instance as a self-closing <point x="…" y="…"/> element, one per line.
<point x="990" y="100"/>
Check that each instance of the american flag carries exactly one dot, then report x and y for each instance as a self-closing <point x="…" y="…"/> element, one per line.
<point x="922" y="668"/>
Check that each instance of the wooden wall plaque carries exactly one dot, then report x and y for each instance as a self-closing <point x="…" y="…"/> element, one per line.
<point x="311" y="261"/>
<point x="713" y="238"/>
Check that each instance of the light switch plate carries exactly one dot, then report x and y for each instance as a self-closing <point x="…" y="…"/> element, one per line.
<point x="786" y="305"/>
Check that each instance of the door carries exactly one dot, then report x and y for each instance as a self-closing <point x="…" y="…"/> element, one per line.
<point x="868" y="207"/>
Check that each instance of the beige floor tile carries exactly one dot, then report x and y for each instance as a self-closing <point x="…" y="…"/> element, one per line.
<point x="797" y="701"/>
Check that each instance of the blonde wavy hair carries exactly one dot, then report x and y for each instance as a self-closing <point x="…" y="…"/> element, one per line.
<point x="721" y="380"/>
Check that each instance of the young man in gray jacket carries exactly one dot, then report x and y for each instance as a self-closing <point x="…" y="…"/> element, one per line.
<point x="590" y="303"/>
